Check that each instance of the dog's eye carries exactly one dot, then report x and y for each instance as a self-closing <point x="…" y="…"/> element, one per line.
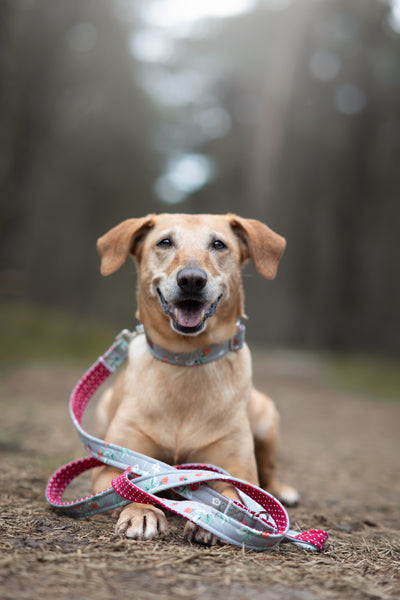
<point x="165" y="243"/>
<point x="218" y="245"/>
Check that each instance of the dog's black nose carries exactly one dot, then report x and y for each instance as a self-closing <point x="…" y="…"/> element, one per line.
<point x="191" y="280"/>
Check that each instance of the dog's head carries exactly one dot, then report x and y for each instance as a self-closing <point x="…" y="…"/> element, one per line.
<point x="189" y="266"/>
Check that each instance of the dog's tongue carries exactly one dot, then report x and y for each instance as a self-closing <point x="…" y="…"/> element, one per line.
<point x="189" y="315"/>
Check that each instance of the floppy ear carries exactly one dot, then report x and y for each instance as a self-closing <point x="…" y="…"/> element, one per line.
<point x="117" y="244"/>
<point x="260" y="243"/>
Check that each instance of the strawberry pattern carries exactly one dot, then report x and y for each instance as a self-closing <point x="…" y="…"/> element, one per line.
<point x="259" y="521"/>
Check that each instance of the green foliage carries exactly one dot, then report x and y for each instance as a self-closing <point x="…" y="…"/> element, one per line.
<point x="376" y="376"/>
<point x="33" y="333"/>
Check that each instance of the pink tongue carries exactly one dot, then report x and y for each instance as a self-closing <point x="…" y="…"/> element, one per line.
<point x="189" y="318"/>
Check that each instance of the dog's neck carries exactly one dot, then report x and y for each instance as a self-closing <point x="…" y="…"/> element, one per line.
<point x="201" y="355"/>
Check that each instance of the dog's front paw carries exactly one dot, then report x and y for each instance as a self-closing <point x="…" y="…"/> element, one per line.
<point x="194" y="533"/>
<point x="141" y="522"/>
<point x="287" y="494"/>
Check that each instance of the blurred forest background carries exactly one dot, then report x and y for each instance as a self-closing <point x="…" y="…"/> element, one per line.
<point x="287" y="111"/>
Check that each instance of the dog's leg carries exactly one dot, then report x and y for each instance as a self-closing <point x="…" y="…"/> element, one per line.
<point x="141" y="522"/>
<point x="195" y="533"/>
<point x="235" y="454"/>
<point x="264" y="419"/>
<point x="137" y="521"/>
<point x="102" y="410"/>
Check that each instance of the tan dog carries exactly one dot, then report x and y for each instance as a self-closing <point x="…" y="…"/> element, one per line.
<point x="190" y="296"/>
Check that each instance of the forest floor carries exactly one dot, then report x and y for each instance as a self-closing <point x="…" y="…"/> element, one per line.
<point x="340" y="448"/>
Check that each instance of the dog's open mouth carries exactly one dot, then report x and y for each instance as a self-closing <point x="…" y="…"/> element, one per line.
<point x="190" y="315"/>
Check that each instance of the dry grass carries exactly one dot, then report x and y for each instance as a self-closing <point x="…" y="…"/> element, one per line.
<point x="47" y="555"/>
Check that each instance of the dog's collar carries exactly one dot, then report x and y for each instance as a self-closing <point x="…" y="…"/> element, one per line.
<point x="201" y="356"/>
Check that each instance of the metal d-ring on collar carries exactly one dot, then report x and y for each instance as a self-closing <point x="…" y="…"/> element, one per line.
<point x="202" y="355"/>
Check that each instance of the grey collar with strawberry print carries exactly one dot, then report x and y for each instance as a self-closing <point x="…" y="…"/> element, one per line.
<point x="202" y="355"/>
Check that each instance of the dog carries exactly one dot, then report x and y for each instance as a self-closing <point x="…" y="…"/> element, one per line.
<point x="190" y="296"/>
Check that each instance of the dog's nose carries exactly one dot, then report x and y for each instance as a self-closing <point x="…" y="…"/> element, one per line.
<point x="191" y="280"/>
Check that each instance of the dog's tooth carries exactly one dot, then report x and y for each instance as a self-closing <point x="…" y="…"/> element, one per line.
<point x="176" y="313"/>
<point x="203" y="314"/>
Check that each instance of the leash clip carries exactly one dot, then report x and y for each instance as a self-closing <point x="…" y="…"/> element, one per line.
<point x="118" y="352"/>
<point x="126" y="335"/>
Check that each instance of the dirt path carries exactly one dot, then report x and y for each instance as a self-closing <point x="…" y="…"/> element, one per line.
<point x="341" y="450"/>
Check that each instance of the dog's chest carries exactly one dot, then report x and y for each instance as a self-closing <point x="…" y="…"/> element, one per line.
<point x="178" y="404"/>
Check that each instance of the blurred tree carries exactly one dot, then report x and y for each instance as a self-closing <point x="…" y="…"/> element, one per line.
<point x="342" y="228"/>
<point x="297" y="108"/>
<point x="73" y="145"/>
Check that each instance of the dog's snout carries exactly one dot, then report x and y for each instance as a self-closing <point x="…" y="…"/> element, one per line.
<point x="191" y="280"/>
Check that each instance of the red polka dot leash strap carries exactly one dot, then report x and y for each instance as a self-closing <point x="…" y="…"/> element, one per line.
<point x="257" y="522"/>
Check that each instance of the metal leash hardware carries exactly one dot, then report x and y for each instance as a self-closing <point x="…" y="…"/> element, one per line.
<point x="117" y="353"/>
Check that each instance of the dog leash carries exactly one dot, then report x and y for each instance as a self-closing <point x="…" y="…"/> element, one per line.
<point x="257" y="522"/>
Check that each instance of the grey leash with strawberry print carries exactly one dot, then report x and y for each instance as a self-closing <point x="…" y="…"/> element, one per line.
<point x="257" y="522"/>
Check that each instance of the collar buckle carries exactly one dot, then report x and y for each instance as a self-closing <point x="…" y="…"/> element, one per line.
<point x="235" y="344"/>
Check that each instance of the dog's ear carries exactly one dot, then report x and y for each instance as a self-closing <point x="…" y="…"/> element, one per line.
<point x="259" y="243"/>
<point x="117" y="244"/>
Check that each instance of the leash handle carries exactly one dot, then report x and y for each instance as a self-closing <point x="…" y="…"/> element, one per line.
<point x="260" y="522"/>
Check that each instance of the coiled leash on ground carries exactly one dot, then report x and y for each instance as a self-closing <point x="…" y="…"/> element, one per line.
<point x="258" y="522"/>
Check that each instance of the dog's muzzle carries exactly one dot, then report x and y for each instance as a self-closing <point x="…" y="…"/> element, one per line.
<point x="189" y="311"/>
